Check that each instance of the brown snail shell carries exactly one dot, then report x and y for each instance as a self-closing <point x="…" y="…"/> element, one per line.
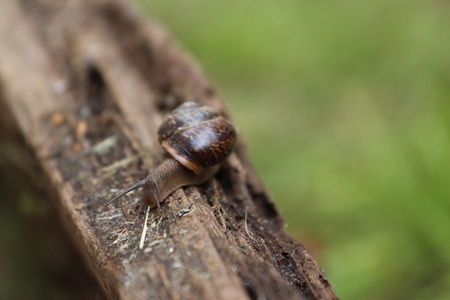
<point x="197" y="136"/>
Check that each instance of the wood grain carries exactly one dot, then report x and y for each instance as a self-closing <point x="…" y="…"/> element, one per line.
<point x="77" y="75"/>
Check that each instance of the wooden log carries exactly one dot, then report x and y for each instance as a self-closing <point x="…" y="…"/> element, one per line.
<point x="87" y="83"/>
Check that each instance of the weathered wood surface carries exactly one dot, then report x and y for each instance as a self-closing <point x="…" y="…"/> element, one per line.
<point x="74" y="74"/>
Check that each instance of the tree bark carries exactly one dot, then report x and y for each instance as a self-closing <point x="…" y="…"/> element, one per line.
<point x="86" y="83"/>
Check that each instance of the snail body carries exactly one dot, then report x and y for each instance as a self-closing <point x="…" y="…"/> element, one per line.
<point x="198" y="140"/>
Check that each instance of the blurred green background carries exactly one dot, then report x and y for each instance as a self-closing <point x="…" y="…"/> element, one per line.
<point x="345" y="107"/>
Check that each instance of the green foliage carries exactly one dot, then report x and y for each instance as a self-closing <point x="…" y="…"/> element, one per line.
<point x="345" y="107"/>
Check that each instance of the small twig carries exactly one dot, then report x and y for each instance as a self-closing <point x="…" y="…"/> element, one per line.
<point x="103" y="147"/>
<point x="242" y="249"/>
<point x="186" y="211"/>
<point x="119" y="236"/>
<point x="157" y="227"/>
<point x="111" y="169"/>
<point x="110" y="217"/>
<point x="144" y="230"/>
<point x="246" y="227"/>
<point x="155" y="243"/>
<point x="106" y="145"/>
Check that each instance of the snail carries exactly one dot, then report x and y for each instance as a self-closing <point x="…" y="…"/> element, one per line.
<point x="198" y="140"/>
